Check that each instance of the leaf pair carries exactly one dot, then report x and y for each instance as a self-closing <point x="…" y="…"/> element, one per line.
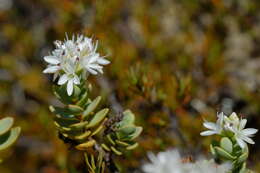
<point x="123" y="136"/>
<point x="8" y="134"/>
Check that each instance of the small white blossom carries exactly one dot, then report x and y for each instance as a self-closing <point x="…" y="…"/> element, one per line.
<point x="241" y="134"/>
<point x="74" y="59"/>
<point x="69" y="77"/>
<point x="55" y="61"/>
<point x="214" y="128"/>
<point x="231" y="121"/>
<point x="231" y="124"/>
<point x="171" y="162"/>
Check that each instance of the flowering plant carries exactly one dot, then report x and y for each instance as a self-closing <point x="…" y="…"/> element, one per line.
<point x="230" y="153"/>
<point x="78" y="122"/>
<point x="233" y="143"/>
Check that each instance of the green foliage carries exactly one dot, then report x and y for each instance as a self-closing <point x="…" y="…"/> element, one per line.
<point x="123" y="134"/>
<point x="77" y="121"/>
<point x="170" y="40"/>
<point x="228" y="150"/>
<point x="95" y="165"/>
<point x="82" y="126"/>
<point x="8" y="134"/>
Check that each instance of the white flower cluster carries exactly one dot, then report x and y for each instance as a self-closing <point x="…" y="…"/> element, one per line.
<point x="72" y="60"/>
<point x="171" y="162"/>
<point x="227" y="125"/>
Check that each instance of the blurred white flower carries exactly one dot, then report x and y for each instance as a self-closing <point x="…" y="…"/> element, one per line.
<point x="206" y="166"/>
<point x="171" y="162"/>
<point x="241" y="134"/>
<point x="214" y="128"/>
<point x="74" y="59"/>
<point x="164" y="162"/>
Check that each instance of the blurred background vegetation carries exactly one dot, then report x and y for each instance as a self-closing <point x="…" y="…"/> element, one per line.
<point x="174" y="64"/>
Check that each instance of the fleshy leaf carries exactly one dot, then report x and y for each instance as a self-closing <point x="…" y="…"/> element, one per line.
<point x="9" y="138"/>
<point x="98" y="117"/>
<point x="221" y="152"/>
<point x="6" y="124"/>
<point x="226" y="144"/>
<point x="91" y="107"/>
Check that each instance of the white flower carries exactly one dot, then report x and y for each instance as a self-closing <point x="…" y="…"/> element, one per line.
<point x="231" y="124"/>
<point x="69" y="77"/>
<point x="171" y="162"/>
<point x="93" y="64"/>
<point x="241" y="134"/>
<point x="164" y="162"/>
<point x="55" y="61"/>
<point x="206" y="166"/>
<point x="231" y="121"/>
<point x="79" y="51"/>
<point x="214" y="128"/>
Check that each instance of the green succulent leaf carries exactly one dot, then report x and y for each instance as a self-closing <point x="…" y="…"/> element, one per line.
<point x="80" y="125"/>
<point x="126" y="132"/>
<point x="98" y="117"/>
<point x="131" y="147"/>
<point x="6" y="124"/>
<point x="91" y="107"/>
<point x="242" y="158"/>
<point x="122" y="143"/>
<point x="97" y="130"/>
<point x="224" y="154"/>
<point x="83" y="136"/>
<point x="104" y="146"/>
<point x="66" y="122"/>
<point x="76" y="91"/>
<point x="226" y="144"/>
<point x="243" y="169"/>
<point x="128" y="119"/>
<point x="83" y="100"/>
<point x="9" y="138"/>
<point x="61" y="93"/>
<point x="212" y="150"/>
<point x="138" y="131"/>
<point x="61" y="112"/>
<point x="117" y="152"/>
<point x="74" y="109"/>
<point x="109" y="138"/>
<point x="86" y="145"/>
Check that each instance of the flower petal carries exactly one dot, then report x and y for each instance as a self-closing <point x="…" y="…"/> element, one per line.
<point x="52" y="60"/>
<point x="242" y="124"/>
<point x="76" y="80"/>
<point x="248" y="140"/>
<point x="208" y="133"/>
<point x="93" y="58"/>
<point x="70" y="87"/>
<point x="94" y="66"/>
<point x="63" y="79"/>
<point x="210" y="125"/>
<point x="241" y="143"/>
<point x="249" y="131"/>
<point x="92" y="71"/>
<point x="51" y="69"/>
<point x="103" y="61"/>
